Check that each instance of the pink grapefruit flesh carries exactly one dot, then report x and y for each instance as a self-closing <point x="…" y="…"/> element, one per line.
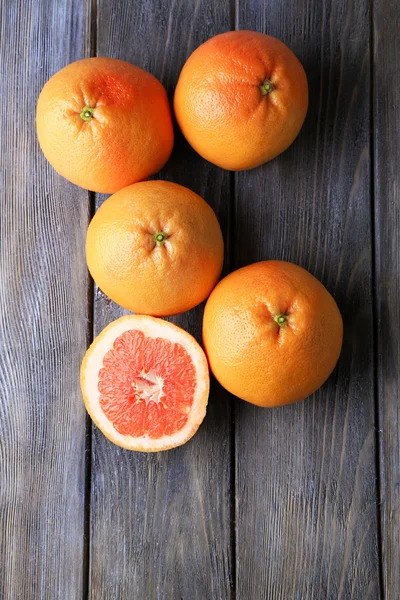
<point x="145" y="383"/>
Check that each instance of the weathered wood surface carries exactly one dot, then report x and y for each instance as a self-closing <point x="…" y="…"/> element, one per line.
<point x="43" y="318"/>
<point x="164" y="519"/>
<point x="286" y="504"/>
<point x="386" y="135"/>
<point x="306" y="481"/>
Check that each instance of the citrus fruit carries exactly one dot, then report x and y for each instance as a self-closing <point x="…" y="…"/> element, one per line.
<point x="103" y="124"/>
<point x="241" y="99"/>
<point x="155" y="247"/>
<point x="145" y="383"/>
<point x="272" y="333"/>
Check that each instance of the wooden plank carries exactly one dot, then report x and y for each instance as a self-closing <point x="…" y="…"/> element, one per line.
<point x="386" y="102"/>
<point x="43" y="317"/>
<point x="306" y="476"/>
<point x="164" y="519"/>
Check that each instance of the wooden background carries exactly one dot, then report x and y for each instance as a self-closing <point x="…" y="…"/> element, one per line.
<point x="298" y="503"/>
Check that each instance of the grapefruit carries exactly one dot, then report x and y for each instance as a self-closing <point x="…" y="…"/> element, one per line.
<point x="272" y="333"/>
<point x="241" y="99"/>
<point x="103" y="124"/>
<point x="145" y="383"/>
<point x="155" y="248"/>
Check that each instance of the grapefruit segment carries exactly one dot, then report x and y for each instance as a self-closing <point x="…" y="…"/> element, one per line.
<point x="145" y="383"/>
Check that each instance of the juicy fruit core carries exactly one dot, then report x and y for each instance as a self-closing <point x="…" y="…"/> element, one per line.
<point x="87" y="113"/>
<point x="146" y="385"/>
<point x="149" y="386"/>
<point x="266" y="87"/>
<point x="160" y="237"/>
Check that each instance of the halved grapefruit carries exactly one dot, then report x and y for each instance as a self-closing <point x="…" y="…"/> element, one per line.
<point x="145" y="383"/>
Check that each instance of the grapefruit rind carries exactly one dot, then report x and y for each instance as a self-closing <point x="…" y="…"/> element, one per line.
<point x="154" y="328"/>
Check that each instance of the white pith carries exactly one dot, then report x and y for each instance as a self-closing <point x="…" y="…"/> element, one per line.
<point x="149" y="386"/>
<point x="154" y="328"/>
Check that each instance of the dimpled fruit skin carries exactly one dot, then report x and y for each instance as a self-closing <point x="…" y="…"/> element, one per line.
<point x="130" y="136"/>
<point x="128" y="265"/>
<point x="219" y="105"/>
<point x="254" y="358"/>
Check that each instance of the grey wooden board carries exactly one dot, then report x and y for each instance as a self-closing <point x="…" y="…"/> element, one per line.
<point x="386" y="132"/>
<point x="160" y="523"/>
<point x="305" y="480"/>
<point x="43" y="318"/>
<point x="306" y="490"/>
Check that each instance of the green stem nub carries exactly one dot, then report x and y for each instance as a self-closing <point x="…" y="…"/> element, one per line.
<point x="160" y="237"/>
<point x="281" y="320"/>
<point x="266" y="87"/>
<point x="87" y="113"/>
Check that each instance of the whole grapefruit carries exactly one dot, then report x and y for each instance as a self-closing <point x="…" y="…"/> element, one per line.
<point x="241" y="99"/>
<point x="104" y="124"/>
<point x="156" y="248"/>
<point x="272" y="333"/>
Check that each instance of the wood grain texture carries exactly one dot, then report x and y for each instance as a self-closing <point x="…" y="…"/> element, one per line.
<point x="386" y="131"/>
<point x="306" y="513"/>
<point x="43" y="318"/>
<point x="160" y="523"/>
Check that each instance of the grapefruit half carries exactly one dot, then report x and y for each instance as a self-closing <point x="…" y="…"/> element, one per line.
<point x="145" y="383"/>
